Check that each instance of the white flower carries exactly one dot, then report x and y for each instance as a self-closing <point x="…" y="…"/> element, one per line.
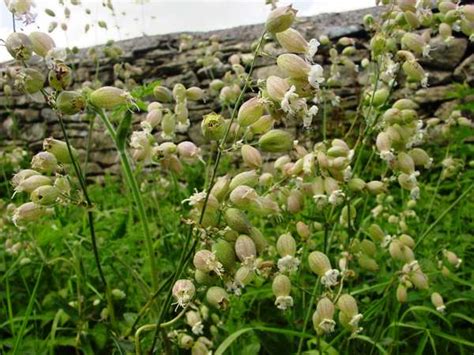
<point x="330" y="277"/>
<point x="288" y="264"/>
<point x="355" y="320"/>
<point x="320" y="200"/>
<point x="316" y="75"/>
<point x="426" y="50"/>
<point x="424" y="81"/>
<point x="327" y="325"/>
<point x="196" y="198"/>
<point x="283" y="302"/>
<point x="308" y="117"/>
<point x="336" y="197"/>
<point x="313" y="46"/>
<point x="308" y="163"/>
<point x="285" y="102"/>
<point x="183" y="127"/>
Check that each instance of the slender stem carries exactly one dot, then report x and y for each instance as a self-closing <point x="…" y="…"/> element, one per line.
<point x="137" y="197"/>
<point x="186" y="256"/>
<point x="90" y="217"/>
<point x="308" y="315"/>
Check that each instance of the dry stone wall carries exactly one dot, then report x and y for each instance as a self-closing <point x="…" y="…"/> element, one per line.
<point x="25" y="121"/>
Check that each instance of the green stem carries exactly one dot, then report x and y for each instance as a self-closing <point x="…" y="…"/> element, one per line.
<point x="308" y="314"/>
<point x="137" y="197"/>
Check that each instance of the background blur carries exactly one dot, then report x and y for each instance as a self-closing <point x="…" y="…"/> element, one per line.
<point x="130" y="19"/>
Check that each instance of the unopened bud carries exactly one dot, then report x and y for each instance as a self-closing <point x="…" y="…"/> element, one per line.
<point x="277" y="87"/>
<point x="41" y="43"/>
<point x="59" y="149"/>
<point x="237" y="220"/>
<point x="276" y="141"/>
<point x="292" y="41"/>
<point x="44" y="162"/>
<point x="280" y="19"/>
<point x="250" y="112"/>
<point x="293" y="66"/>
<point x="217" y="297"/>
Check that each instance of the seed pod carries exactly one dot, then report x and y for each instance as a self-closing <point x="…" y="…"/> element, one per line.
<point x="41" y="43"/>
<point x="60" y="77"/>
<point x="277" y="87"/>
<point x="237" y="220"/>
<point x="245" y="248"/>
<point x="19" y="46"/>
<point x="292" y="41"/>
<point x="44" y="162"/>
<point x="319" y="263"/>
<point x="276" y="141"/>
<point x="213" y="127"/>
<point x="293" y="66"/>
<point x="70" y="102"/>
<point x="280" y="19"/>
<point x="109" y="97"/>
<point x="249" y="178"/>
<point x="286" y="245"/>
<point x="59" y="149"/>
<point x="224" y="252"/>
<point x="250" y="112"/>
<point x="29" y="80"/>
<point x="217" y="297"/>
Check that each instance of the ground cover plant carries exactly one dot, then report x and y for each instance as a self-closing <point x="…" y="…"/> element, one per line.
<point x="352" y="241"/>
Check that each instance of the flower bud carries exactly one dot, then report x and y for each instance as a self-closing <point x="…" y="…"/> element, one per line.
<point x="237" y="220"/>
<point x="437" y="301"/>
<point x="277" y="87"/>
<point x="293" y="66"/>
<point x="452" y="258"/>
<point x="376" y="233"/>
<point x="59" y="149"/>
<point x="262" y="125"/>
<point x="295" y="201"/>
<point x="224" y="252"/>
<point x="380" y="97"/>
<point x="375" y="187"/>
<point x="258" y="238"/>
<point x="402" y="296"/>
<point x="281" y="285"/>
<point x="414" y="42"/>
<point x="367" y="263"/>
<point x="221" y="187"/>
<point x="244" y="275"/>
<point x="414" y="71"/>
<point x="356" y="184"/>
<point x="405" y="163"/>
<point x="249" y="178"/>
<point x="251" y="156"/>
<point x="276" y="141"/>
<point x="183" y="292"/>
<point x="420" y="157"/>
<point x="41" y="43"/>
<point x="162" y="94"/>
<point x="292" y="41"/>
<point x="44" y="162"/>
<point x="419" y="280"/>
<point x="319" y="263"/>
<point x="245" y="248"/>
<point x="194" y="93"/>
<point x="243" y="196"/>
<point x="213" y="127"/>
<point x="22" y="175"/>
<point x="28" y="212"/>
<point x="70" y="102"/>
<point x="323" y="322"/>
<point x="31" y="183"/>
<point x="185" y="341"/>
<point x="19" y="46"/>
<point x="217" y="297"/>
<point x="280" y="19"/>
<point x="250" y="112"/>
<point x="109" y="97"/>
